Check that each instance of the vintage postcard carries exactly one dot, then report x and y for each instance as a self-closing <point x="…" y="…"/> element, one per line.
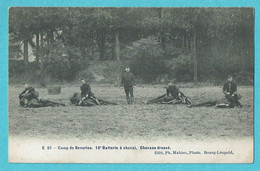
<point x="131" y="85"/>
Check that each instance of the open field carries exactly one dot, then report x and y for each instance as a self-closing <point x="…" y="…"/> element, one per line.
<point x="132" y="121"/>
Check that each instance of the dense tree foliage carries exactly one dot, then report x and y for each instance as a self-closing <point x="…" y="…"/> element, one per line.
<point x="187" y="44"/>
<point x="147" y="58"/>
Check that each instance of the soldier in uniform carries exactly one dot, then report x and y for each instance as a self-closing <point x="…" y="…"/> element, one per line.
<point x="28" y="95"/>
<point x="230" y="92"/>
<point x="128" y="81"/>
<point x="86" y="93"/>
<point x="173" y="96"/>
<point x="85" y="89"/>
<point x="86" y="97"/>
<point x="30" y="98"/>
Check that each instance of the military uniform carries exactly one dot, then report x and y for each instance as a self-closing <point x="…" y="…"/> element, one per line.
<point x="229" y="89"/>
<point x="128" y="81"/>
<point x="87" y="96"/>
<point x="29" y="93"/>
<point x="28" y="96"/>
<point x="173" y="96"/>
<point x="86" y="91"/>
<point x="173" y="91"/>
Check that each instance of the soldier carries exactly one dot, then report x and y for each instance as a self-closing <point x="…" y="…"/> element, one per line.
<point x="128" y="81"/>
<point x="87" y="98"/>
<point x="230" y="91"/>
<point x="30" y="98"/>
<point x="172" y="90"/>
<point x="85" y="89"/>
<point x="28" y="94"/>
<point x="86" y="93"/>
<point x="173" y="96"/>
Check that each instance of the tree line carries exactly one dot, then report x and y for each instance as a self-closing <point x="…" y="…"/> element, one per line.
<point x="187" y="44"/>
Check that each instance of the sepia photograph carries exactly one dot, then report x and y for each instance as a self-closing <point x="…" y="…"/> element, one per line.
<point x="131" y="85"/>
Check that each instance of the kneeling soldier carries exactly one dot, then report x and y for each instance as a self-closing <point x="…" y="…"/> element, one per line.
<point x="28" y="95"/>
<point x="86" y="93"/>
<point x="173" y="96"/>
<point x="86" y="97"/>
<point x="232" y="98"/>
<point x="30" y="98"/>
<point x="230" y="91"/>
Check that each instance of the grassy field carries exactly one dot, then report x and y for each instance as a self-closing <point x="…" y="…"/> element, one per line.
<point x="132" y="121"/>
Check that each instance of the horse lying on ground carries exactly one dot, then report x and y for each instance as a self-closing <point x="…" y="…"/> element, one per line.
<point x="223" y="103"/>
<point x="164" y="99"/>
<point x="30" y="98"/>
<point x="35" y="103"/>
<point x="77" y="100"/>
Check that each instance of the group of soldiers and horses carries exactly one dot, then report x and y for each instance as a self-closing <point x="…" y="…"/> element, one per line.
<point x="30" y="97"/>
